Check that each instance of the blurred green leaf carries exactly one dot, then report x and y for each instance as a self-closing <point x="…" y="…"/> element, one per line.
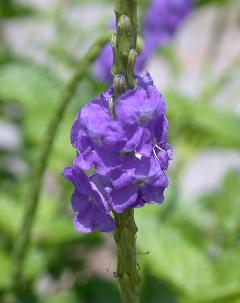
<point x="98" y="290"/>
<point x="5" y="265"/>
<point x="10" y="215"/>
<point x="38" y="91"/>
<point x="172" y="258"/>
<point x="31" y="84"/>
<point x="207" y="2"/>
<point x="202" y="124"/>
<point x="62" y="297"/>
<point x="35" y="264"/>
<point x="52" y="226"/>
<point x="11" y="8"/>
<point x="155" y="290"/>
<point x="35" y="89"/>
<point x="225" y="206"/>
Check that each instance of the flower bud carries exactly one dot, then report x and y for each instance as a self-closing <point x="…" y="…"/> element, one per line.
<point x="124" y="24"/>
<point x="132" y="56"/>
<point x="119" y="85"/>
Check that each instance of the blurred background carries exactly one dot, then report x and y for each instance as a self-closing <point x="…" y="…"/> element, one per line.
<point x="189" y="247"/>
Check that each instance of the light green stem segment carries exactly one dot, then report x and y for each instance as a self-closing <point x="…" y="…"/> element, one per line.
<point x="127" y="272"/>
<point x="126" y="24"/>
<point x="22" y="240"/>
<point x="126" y="229"/>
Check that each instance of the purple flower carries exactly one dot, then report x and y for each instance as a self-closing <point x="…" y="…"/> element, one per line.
<point x="88" y="202"/>
<point x="140" y="125"/>
<point x="140" y="111"/>
<point x="138" y="182"/>
<point x="128" y="150"/>
<point x="163" y="18"/>
<point x="95" y="130"/>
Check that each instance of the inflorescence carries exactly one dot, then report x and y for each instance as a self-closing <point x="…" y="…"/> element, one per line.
<point x="122" y="142"/>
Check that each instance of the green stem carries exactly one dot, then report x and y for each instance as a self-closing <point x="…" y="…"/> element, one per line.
<point x="24" y="234"/>
<point x="127" y="271"/>
<point x="126" y="229"/>
<point x="126" y="39"/>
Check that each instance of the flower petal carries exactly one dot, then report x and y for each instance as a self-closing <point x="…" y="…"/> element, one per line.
<point x="124" y="198"/>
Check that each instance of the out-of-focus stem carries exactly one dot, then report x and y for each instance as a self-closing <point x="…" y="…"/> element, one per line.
<point x="23" y="238"/>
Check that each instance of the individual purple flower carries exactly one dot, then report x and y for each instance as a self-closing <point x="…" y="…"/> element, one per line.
<point x="142" y="113"/>
<point x="138" y="182"/>
<point x="95" y="130"/>
<point x="89" y="202"/>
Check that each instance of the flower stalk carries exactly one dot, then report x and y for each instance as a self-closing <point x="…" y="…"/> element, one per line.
<point x="126" y="229"/>
<point x="126" y="37"/>
<point x="127" y="271"/>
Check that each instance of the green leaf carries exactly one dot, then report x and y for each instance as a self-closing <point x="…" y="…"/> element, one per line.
<point x="172" y="257"/>
<point x="5" y="265"/>
<point x="207" y="2"/>
<point x="225" y="205"/>
<point x="46" y="231"/>
<point x="63" y="297"/>
<point x="30" y="84"/>
<point x="35" y="89"/>
<point x="38" y="92"/>
<point x="10" y="9"/>
<point x="202" y="124"/>
<point x="35" y="265"/>
<point x="10" y="215"/>
<point x="52" y="226"/>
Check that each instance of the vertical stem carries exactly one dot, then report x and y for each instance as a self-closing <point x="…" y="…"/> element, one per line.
<point x="127" y="272"/>
<point x="126" y="229"/>
<point x="126" y="38"/>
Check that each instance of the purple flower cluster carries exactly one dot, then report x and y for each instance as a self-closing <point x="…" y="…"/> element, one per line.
<point x="162" y="20"/>
<point x="128" y="154"/>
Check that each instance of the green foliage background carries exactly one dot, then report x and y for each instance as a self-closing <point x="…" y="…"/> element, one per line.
<point x="194" y="246"/>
